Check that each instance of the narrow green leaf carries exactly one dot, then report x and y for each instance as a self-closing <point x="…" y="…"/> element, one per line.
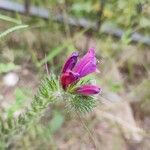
<point x="54" y="52"/>
<point x="9" y="19"/>
<point x="12" y="30"/>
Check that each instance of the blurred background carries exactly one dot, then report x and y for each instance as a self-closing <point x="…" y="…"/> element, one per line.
<point x="36" y="32"/>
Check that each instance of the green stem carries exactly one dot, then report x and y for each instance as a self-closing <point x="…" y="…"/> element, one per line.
<point x="88" y="130"/>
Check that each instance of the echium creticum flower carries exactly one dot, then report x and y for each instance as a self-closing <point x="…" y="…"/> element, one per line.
<point x="73" y="70"/>
<point x="78" y="93"/>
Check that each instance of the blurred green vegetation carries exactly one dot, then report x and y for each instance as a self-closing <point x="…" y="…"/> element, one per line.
<point x="28" y="43"/>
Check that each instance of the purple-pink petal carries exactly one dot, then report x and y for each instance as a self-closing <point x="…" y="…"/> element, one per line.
<point x="88" y="68"/>
<point x="67" y="78"/>
<point x="87" y="64"/>
<point x="71" y="62"/>
<point x="88" y="90"/>
<point x="73" y="71"/>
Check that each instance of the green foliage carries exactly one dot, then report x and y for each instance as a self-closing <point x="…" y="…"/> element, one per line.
<point x="144" y="22"/>
<point x="20" y="96"/>
<point x="82" y="7"/>
<point x="54" y="52"/>
<point x="56" y="122"/>
<point x="115" y="86"/>
<point x="126" y="37"/>
<point x="9" y="19"/>
<point x="43" y="132"/>
<point x="43" y="98"/>
<point x="6" y="67"/>
<point x="12" y="29"/>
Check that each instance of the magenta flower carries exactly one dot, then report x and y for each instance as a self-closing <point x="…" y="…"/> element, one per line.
<point x="70" y="63"/>
<point x="73" y="71"/>
<point x="87" y="64"/>
<point x="88" y="90"/>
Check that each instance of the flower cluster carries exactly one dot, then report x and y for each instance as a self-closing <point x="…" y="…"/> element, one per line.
<point x="73" y="70"/>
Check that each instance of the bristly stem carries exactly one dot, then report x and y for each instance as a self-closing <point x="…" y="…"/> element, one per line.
<point x="45" y="96"/>
<point x="88" y="130"/>
<point x="49" y="92"/>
